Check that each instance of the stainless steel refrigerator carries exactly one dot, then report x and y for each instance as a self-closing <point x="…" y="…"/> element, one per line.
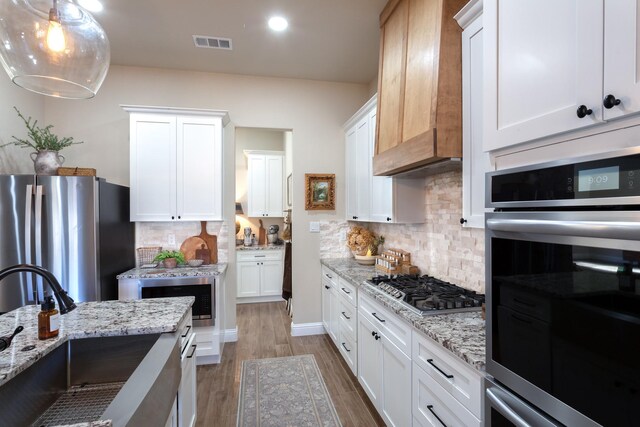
<point x="77" y="227"/>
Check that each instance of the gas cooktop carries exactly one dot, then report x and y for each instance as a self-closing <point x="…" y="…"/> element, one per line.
<point x="427" y="295"/>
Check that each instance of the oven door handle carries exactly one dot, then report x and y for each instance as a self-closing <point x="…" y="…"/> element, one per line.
<point x="522" y="416"/>
<point x="622" y="230"/>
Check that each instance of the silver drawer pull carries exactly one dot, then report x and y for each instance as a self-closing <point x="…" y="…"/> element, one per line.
<point x="194" y="347"/>
<point x="345" y="316"/>
<point x="345" y="291"/>
<point x="379" y="319"/>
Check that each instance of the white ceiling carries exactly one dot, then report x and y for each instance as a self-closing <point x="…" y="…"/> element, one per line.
<point x="332" y="40"/>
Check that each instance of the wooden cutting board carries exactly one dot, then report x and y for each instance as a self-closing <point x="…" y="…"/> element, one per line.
<point x="262" y="234"/>
<point x="189" y="246"/>
<point x="211" y="240"/>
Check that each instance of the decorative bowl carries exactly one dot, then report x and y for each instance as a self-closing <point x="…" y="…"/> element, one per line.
<point x="195" y="262"/>
<point x="365" y="260"/>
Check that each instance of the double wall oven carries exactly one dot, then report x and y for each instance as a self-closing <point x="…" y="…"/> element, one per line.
<point x="563" y="293"/>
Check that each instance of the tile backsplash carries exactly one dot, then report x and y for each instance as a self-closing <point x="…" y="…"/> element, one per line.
<point x="158" y="233"/>
<point x="440" y="247"/>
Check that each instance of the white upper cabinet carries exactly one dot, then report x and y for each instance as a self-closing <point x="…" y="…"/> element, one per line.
<point x="376" y="198"/>
<point x="265" y="178"/>
<point x="622" y="57"/>
<point x="175" y="164"/>
<point x="475" y="162"/>
<point x="543" y="60"/>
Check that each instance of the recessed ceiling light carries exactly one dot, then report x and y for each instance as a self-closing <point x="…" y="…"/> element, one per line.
<point x="91" y="5"/>
<point x="278" y="23"/>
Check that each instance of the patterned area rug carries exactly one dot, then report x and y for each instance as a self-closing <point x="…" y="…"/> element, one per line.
<point x="284" y="391"/>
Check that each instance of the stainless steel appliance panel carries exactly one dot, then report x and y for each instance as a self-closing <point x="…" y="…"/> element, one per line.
<point x="16" y="240"/>
<point x="68" y="231"/>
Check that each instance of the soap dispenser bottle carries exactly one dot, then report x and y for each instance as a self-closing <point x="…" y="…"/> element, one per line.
<point x="48" y="319"/>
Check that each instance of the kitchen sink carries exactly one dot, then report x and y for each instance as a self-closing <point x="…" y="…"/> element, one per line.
<point x="125" y="379"/>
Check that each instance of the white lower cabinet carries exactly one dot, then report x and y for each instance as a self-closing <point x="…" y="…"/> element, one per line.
<point x="384" y="370"/>
<point x="172" y="420"/>
<point x="187" y="389"/>
<point x="260" y="273"/>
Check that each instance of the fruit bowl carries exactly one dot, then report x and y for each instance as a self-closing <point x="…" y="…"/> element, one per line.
<point x="365" y="260"/>
<point x="194" y="262"/>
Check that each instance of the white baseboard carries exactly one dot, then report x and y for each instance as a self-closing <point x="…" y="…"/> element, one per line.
<point x="230" y="335"/>
<point x="251" y="300"/>
<point x="304" y="329"/>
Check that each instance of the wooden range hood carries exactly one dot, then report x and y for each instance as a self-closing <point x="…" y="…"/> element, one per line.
<point x="419" y="119"/>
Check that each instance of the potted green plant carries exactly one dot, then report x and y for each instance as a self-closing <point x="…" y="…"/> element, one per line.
<point x="169" y="258"/>
<point x="46" y="158"/>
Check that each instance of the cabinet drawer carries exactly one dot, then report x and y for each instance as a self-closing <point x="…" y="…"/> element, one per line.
<point x="348" y="320"/>
<point x="348" y="291"/>
<point x="261" y="255"/>
<point x="348" y="349"/>
<point x="433" y="406"/>
<point x="462" y="382"/>
<point x="395" y="329"/>
<point x="330" y="275"/>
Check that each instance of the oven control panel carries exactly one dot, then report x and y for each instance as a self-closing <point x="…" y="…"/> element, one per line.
<point x="610" y="178"/>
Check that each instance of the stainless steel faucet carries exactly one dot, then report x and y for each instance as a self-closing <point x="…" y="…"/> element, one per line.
<point x="65" y="302"/>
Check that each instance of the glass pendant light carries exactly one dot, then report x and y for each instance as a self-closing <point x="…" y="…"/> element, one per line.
<point x="53" y="47"/>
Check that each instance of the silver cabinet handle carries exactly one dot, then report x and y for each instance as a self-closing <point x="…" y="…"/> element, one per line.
<point x="27" y="242"/>
<point x="502" y="407"/>
<point x="38" y="237"/>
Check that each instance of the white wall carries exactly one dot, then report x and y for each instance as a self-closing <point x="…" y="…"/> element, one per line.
<point x="314" y="111"/>
<point x="15" y="159"/>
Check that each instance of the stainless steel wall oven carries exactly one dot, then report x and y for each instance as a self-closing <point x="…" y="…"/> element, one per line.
<point x="563" y="293"/>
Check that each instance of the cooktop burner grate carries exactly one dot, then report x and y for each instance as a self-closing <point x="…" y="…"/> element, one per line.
<point x="428" y="295"/>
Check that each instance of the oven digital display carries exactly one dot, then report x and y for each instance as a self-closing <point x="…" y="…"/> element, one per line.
<point x="599" y="179"/>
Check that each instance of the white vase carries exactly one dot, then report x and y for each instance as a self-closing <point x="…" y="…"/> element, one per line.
<point x="47" y="162"/>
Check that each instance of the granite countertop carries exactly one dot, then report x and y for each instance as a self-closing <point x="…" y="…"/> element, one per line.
<point x="160" y="272"/>
<point x="461" y="333"/>
<point x="260" y="248"/>
<point x="88" y="320"/>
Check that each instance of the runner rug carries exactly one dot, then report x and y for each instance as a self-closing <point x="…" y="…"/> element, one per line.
<point x="284" y="391"/>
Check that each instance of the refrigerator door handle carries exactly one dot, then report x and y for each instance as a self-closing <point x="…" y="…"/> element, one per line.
<point x="31" y="293"/>
<point x="38" y="236"/>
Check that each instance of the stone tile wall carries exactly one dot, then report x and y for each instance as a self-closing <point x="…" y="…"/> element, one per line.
<point x="440" y="247"/>
<point x="157" y="234"/>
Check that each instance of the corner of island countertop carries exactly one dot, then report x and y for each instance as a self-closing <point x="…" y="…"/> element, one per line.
<point x="186" y="271"/>
<point x="88" y="320"/>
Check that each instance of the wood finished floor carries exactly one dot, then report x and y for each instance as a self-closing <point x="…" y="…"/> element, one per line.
<point x="264" y="331"/>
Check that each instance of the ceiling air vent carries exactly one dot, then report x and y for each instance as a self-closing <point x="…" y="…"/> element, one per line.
<point x="212" y="42"/>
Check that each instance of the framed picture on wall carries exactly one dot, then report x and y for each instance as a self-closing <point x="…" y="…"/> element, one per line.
<point x="289" y="201"/>
<point x="320" y="192"/>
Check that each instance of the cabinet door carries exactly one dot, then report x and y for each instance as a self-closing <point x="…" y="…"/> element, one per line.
<point x="274" y="176"/>
<point x="396" y="385"/>
<point x="352" y="186"/>
<point x="271" y="280"/>
<point x="370" y="360"/>
<point x="326" y="305"/>
<point x="363" y="168"/>
<point x="621" y="56"/>
<point x="381" y="209"/>
<point x="187" y="389"/>
<point x="543" y="59"/>
<point x="199" y="164"/>
<point x="153" y="167"/>
<point x="257" y="185"/>
<point x="334" y="319"/>
<point x="475" y="161"/>
<point x="248" y="279"/>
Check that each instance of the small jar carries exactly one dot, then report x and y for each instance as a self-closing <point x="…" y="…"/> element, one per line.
<point x="48" y="319"/>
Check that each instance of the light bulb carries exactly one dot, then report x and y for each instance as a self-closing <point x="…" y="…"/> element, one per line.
<point x="55" y="34"/>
